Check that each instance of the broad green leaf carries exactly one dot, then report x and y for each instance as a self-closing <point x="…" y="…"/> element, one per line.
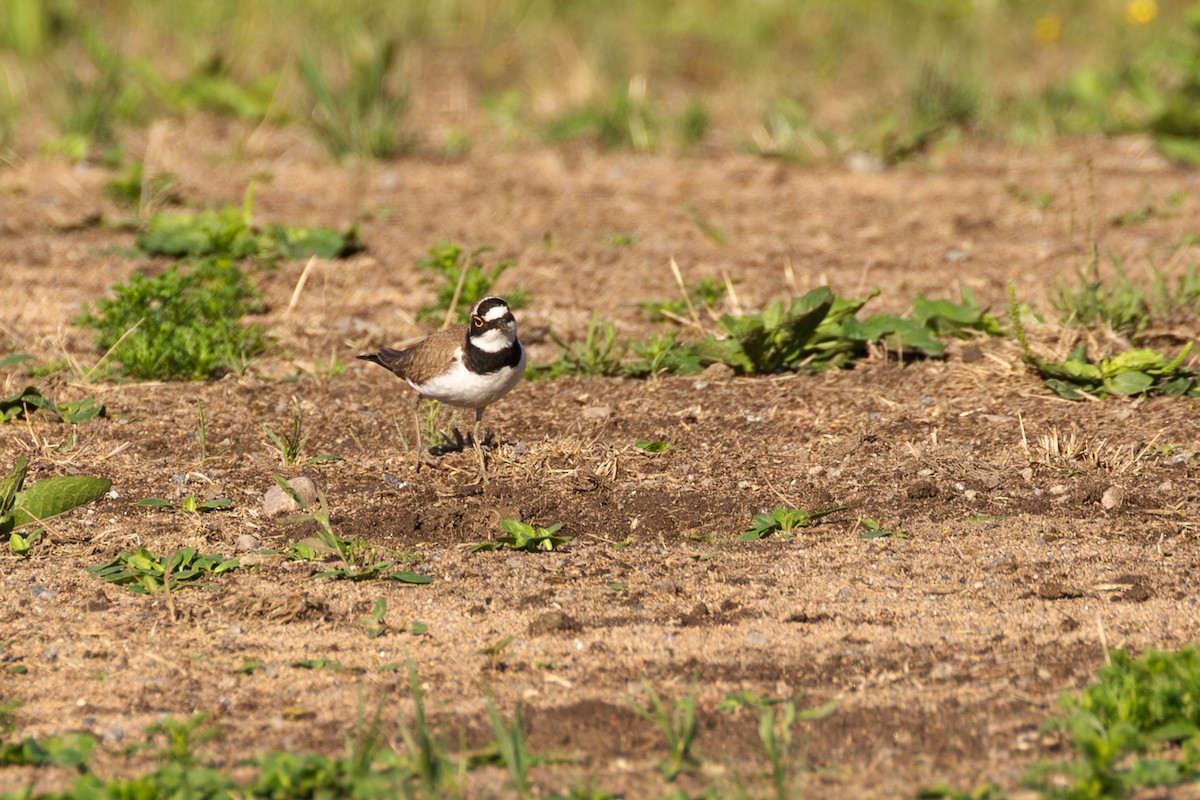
<point x="12" y="359"/>
<point x="1130" y="383"/>
<point x="1132" y="360"/>
<point x="153" y="502"/>
<point x="53" y="496"/>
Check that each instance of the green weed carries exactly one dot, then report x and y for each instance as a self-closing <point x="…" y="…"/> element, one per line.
<point x="707" y="293"/>
<point x="623" y="121"/>
<point x="600" y="354"/>
<point x="510" y="742"/>
<point x="12" y="359"/>
<point x="133" y="190"/>
<point x="460" y="280"/>
<point x="143" y="572"/>
<point x="363" y="115"/>
<point x="1137" y="726"/>
<point x="676" y="721"/>
<point x="99" y="94"/>
<point x="873" y="530"/>
<point x="786" y="130"/>
<point x="1135" y="372"/>
<point x="184" y="324"/>
<point x="783" y="521"/>
<point x="22" y="505"/>
<point x="25" y="402"/>
<point x="1122" y="303"/>
<point x="361" y="561"/>
<point x="229" y="233"/>
<point x="290" y="446"/>
<point x="523" y="536"/>
<point x="659" y="355"/>
<point x="189" y="504"/>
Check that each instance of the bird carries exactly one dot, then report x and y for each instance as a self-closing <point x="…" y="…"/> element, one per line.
<point x="469" y="366"/>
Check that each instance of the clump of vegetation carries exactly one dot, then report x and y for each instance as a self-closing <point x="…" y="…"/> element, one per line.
<point x="676" y="721"/>
<point x="184" y="324"/>
<point x="815" y="332"/>
<point x="29" y="400"/>
<point x="360" y="560"/>
<point x="1133" y="373"/>
<point x="189" y="504"/>
<point x="362" y="116"/>
<point x="622" y="121"/>
<point x="1122" y="303"/>
<point x="707" y="293"/>
<point x="143" y="572"/>
<point x="229" y="233"/>
<point x="461" y="279"/>
<point x="1137" y="726"/>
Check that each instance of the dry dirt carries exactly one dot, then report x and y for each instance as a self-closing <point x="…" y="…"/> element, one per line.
<point x="1039" y="529"/>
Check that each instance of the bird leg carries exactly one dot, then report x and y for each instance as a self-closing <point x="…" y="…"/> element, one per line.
<point x="478" y="446"/>
<point x="417" y="428"/>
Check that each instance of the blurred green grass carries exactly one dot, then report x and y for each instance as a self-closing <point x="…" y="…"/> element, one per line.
<point x="808" y="79"/>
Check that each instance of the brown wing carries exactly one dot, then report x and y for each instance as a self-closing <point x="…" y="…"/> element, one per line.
<point x="424" y="359"/>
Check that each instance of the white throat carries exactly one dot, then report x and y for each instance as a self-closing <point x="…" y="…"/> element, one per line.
<point x="495" y="340"/>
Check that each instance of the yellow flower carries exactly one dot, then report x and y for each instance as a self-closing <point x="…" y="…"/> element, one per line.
<point x="1140" y="12"/>
<point x="1047" y="29"/>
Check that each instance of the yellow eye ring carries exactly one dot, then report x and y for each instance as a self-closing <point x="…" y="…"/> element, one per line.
<point x="478" y="320"/>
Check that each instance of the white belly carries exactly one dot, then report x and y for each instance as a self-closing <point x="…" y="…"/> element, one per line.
<point x="465" y="389"/>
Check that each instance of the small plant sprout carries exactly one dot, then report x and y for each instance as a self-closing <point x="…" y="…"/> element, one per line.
<point x="188" y="505"/>
<point x="360" y="559"/>
<point x="873" y="530"/>
<point x="290" y="446"/>
<point x="653" y="446"/>
<point x="783" y="521"/>
<point x="676" y="721"/>
<point x="510" y="742"/>
<point x="495" y="652"/>
<point x="376" y="623"/>
<point x="523" y="536"/>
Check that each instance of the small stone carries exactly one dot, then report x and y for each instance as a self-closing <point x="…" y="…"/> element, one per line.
<point x="757" y="639"/>
<point x="1026" y="474"/>
<point x="277" y="502"/>
<point x="941" y="671"/>
<point x="1057" y="488"/>
<point x="1113" y="497"/>
<point x="247" y="542"/>
<point x="42" y="593"/>
<point x="597" y="413"/>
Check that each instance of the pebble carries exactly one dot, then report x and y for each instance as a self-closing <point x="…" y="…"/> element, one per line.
<point x="597" y="413"/>
<point x="1113" y="497"/>
<point x="247" y="542"/>
<point x="277" y="502"/>
<point x="756" y="639"/>
<point x="941" y="671"/>
<point x="42" y="593"/>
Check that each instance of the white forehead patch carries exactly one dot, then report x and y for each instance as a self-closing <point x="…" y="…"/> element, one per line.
<point x="494" y="313"/>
